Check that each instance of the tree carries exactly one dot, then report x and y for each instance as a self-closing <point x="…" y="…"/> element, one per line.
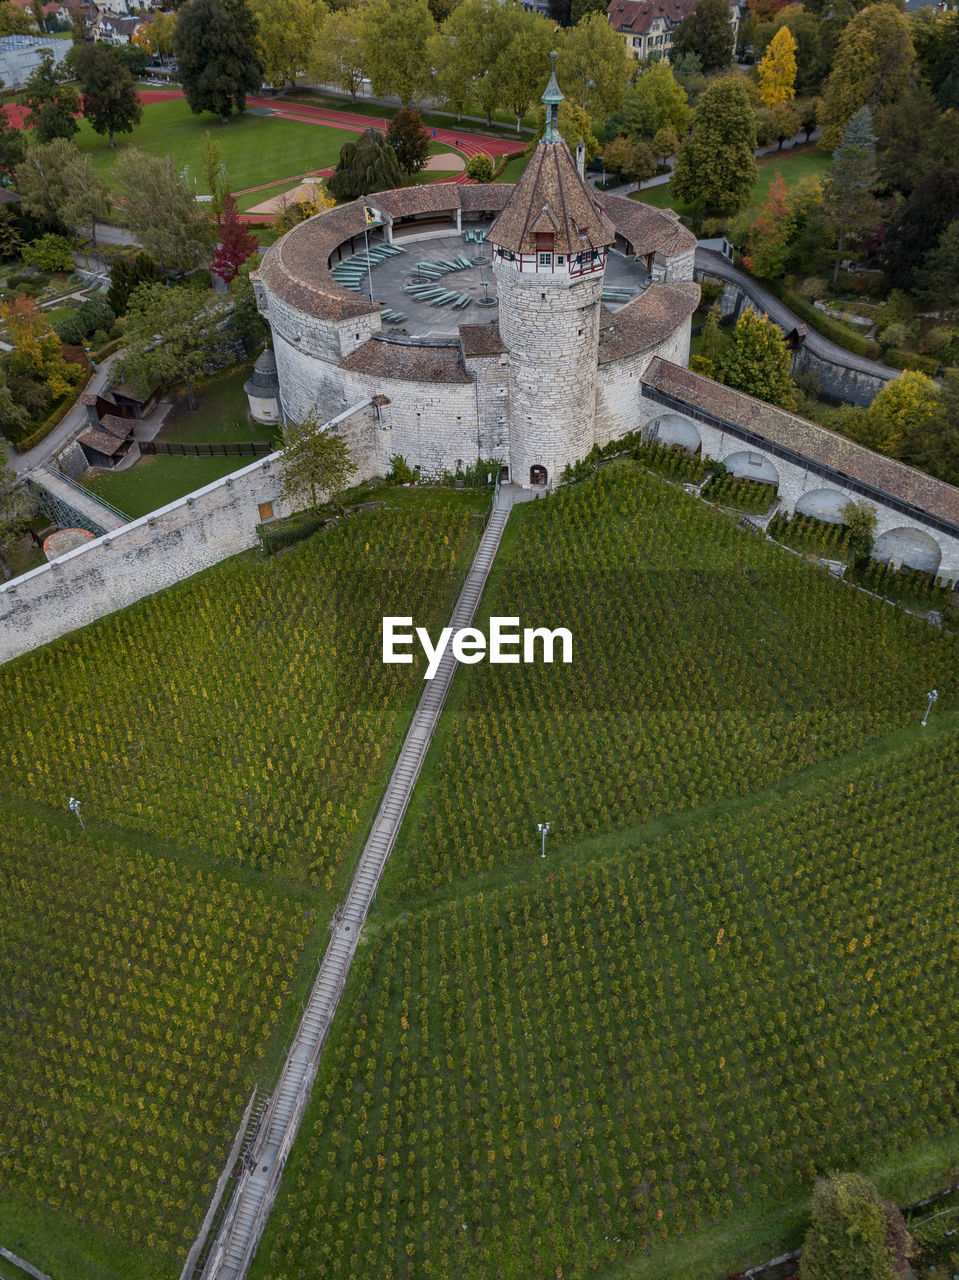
<point x="52" y="106"/>
<point x="656" y="102"/>
<point x="59" y="184"/>
<point x="131" y="59"/>
<point x="409" y="140"/>
<point x="49" y="253"/>
<point x="340" y="56"/>
<point x="480" y="167"/>
<point x="903" y="412"/>
<point x="940" y="270"/>
<point x="394" y="35"/>
<point x="162" y="210"/>
<point x="715" y="167"/>
<point x="904" y="126"/>
<point x="632" y="160"/>
<point x="936" y="37"/>
<point x="860" y="519"/>
<point x="711" y="348"/>
<point x="519" y="72"/>
<point x="110" y="100"/>
<point x="580" y="9"/>
<point x="849" y="205"/>
<point x="688" y="73"/>
<point x="594" y="67"/>
<point x="854" y="1233"/>
<point x="813" y="48"/>
<point x="936" y="448"/>
<point x="785" y="120"/>
<point x="315" y="461"/>
<point x="16" y="505"/>
<point x="171" y="335"/>
<point x="156" y="37"/>
<point x="769" y="235"/>
<point x="11" y="241"/>
<point x="217" y="179"/>
<point x="366" y="165"/>
<point x="126" y="275"/>
<point x="37" y="350"/>
<point x="757" y="361"/>
<point x="218" y="65"/>
<point x="707" y="32"/>
<point x="809" y="117"/>
<point x="915" y="230"/>
<point x="289" y="38"/>
<point x="13" y="145"/>
<point x="874" y="62"/>
<point x="14" y="21"/>
<point x="665" y="144"/>
<point x="237" y="243"/>
<point x="777" y="70"/>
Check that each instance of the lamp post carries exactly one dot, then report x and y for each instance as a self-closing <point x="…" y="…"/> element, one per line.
<point x="933" y="696"/>
<point x="542" y="828"/>
<point x="74" y="807"/>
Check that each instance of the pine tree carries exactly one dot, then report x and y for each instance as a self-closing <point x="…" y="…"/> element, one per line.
<point x="237" y="243"/>
<point x="849" y="205"/>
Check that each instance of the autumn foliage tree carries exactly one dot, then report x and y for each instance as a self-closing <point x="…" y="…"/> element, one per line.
<point x="777" y="70"/>
<point x="237" y="243"/>
<point x="37" y="350"/>
<point x="769" y="235"/>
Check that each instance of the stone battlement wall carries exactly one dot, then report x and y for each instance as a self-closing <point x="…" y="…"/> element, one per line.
<point x="156" y="551"/>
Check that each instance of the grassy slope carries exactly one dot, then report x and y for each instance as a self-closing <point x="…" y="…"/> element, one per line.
<point x="256" y="149"/>
<point x="408" y="971"/>
<point x="55" y="727"/>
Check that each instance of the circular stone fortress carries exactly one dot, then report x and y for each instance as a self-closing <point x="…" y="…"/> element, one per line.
<point x="448" y="323"/>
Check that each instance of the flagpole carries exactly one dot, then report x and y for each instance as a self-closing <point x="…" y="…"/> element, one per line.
<point x="366" y="241"/>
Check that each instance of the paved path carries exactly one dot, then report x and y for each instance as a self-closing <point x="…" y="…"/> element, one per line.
<point x="73" y="425"/>
<point x="79" y="500"/>
<point x="716" y="265"/>
<point x="236" y="1243"/>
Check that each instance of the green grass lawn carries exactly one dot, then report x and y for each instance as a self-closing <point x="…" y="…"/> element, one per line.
<point x="154" y="481"/>
<point x="514" y="169"/>
<point x="255" y="148"/>
<point x="222" y="412"/>
<point x="809" y="162"/>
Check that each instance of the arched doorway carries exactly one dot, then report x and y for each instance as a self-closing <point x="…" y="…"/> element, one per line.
<point x="910" y="547"/>
<point x="537" y="475"/>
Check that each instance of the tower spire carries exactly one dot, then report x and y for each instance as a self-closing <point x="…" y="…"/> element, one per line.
<point x="552" y="97"/>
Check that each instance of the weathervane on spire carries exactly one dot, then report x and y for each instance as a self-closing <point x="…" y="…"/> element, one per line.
<point x="552" y="98"/>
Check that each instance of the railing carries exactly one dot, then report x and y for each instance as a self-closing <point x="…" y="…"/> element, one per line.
<point x="213" y="449"/>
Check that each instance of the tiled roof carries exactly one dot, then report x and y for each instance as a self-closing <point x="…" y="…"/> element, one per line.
<point x="403" y="202"/>
<point x="484" y="197"/>
<point x="647" y="229"/>
<point x="812" y="441"/>
<point x="117" y="426"/>
<point x="295" y="268"/>
<point x="654" y="315"/>
<point x="8" y="197"/>
<point x="635" y="17"/>
<point x="381" y="359"/>
<point x="552" y="199"/>
<point x="481" y="340"/>
<point x="102" y="441"/>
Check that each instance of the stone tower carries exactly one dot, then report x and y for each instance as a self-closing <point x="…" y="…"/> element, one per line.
<point x="549" y="256"/>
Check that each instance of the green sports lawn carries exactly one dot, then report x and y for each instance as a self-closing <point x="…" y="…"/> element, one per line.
<point x="256" y="149"/>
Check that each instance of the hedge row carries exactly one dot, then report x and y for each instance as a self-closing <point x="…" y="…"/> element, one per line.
<point x="824" y="324"/>
<point x="54" y="420"/>
<point x="897" y="359"/>
<point x="276" y="538"/>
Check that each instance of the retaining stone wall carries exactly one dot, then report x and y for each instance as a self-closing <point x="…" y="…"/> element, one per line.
<point x="156" y="551"/>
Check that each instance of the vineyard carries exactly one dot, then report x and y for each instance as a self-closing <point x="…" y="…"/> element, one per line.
<point x="248" y="711"/>
<point x="137" y="998"/>
<point x="579" y="1071"/>
<point x="707" y="664"/>
<point x="229" y="740"/>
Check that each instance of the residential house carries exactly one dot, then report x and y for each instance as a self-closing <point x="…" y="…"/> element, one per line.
<point x="648" y="26"/>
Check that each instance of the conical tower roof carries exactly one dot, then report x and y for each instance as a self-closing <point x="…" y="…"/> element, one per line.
<point x="551" y="198"/>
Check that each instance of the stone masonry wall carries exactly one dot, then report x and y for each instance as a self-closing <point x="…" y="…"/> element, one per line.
<point x="156" y="551"/>
<point x="619" y="405"/>
<point x="551" y="331"/>
<point x="491" y="374"/>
